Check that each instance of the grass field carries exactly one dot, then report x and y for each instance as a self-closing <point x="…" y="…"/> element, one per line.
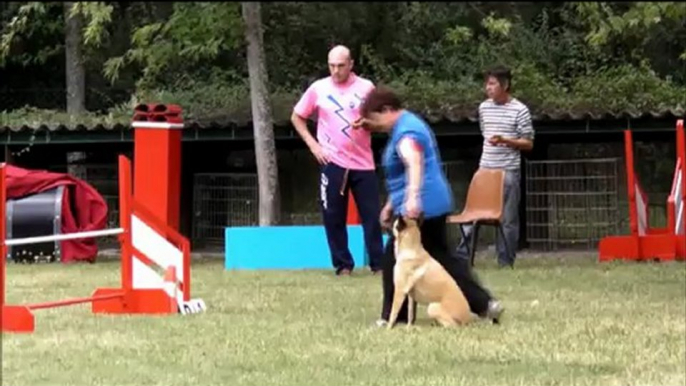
<point x="567" y="322"/>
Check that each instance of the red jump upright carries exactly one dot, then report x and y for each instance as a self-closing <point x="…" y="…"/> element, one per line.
<point x="157" y="159"/>
<point x="644" y="242"/>
<point x="152" y="250"/>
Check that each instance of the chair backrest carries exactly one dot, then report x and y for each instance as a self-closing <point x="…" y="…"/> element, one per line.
<point x="485" y="194"/>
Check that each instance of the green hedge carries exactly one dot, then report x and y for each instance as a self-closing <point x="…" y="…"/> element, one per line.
<point x="613" y="90"/>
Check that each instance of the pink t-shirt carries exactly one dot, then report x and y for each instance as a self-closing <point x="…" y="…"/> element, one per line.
<point x="337" y="107"/>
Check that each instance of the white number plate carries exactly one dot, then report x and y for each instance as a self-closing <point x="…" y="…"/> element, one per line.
<point x="193" y="306"/>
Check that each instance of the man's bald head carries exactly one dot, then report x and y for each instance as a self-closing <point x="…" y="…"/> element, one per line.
<point x="339" y="53"/>
<point x="340" y="63"/>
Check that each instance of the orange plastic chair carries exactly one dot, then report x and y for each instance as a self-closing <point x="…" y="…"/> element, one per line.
<point x="484" y="206"/>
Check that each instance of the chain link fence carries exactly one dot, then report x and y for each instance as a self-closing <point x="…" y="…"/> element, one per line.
<point x="222" y="200"/>
<point x="572" y="204"/>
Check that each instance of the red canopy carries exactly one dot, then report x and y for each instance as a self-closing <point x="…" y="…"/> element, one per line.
<point x="88" y="212"/>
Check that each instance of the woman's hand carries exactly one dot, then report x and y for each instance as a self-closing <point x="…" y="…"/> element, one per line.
<point x="359" y="123"/>
<point x="386" y="217"/>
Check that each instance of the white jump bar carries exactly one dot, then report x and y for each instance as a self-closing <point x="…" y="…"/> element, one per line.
<point x="69" y="236"/>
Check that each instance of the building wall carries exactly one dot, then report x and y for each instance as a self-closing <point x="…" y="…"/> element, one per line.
<point x="298" y="173"/>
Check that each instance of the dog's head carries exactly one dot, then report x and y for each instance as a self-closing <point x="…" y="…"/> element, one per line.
<point x="403" y="225"/>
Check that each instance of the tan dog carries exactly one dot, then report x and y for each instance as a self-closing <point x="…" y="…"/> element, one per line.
<point x="421" y="278"/>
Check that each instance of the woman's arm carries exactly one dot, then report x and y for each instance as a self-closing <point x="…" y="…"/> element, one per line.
<point x="412" y="154"/>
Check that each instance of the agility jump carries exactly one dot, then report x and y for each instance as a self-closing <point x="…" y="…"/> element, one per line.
<point x="644" y="242"/>
<point x="155" y="258"/>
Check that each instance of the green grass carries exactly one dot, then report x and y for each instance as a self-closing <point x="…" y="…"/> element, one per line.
<point x="568" y="321"/>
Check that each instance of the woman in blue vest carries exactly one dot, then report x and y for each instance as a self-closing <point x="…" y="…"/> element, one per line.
<point x="416" y="184"/>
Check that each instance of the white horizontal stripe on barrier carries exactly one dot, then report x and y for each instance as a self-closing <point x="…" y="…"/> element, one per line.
<point x="157" y="125"/>
<point x="68" y="236"/>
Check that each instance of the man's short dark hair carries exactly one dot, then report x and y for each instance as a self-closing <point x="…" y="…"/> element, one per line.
<point x="502" y="74"/>
<point x="378" y="99"/>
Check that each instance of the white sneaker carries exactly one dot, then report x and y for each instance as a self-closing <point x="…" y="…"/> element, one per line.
<point x="381" y="323"/>
<point x="495" y="310"/>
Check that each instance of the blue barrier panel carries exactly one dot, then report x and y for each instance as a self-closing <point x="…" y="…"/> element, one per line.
<point x="287" y="247"/>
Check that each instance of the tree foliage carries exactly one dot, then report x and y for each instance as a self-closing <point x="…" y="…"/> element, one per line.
<point x="582" y="57"/>
<point x="193" y="34"/>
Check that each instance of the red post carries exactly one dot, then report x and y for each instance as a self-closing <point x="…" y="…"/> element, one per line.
<point x="631" y="182"/>
<point x="125" y="223"/>
<point x="681" y="153"/>
<point x="157" y="160"/>
<point x="3" y="234"/>
<point x="353" y="214"/>
<point x="186" y="249"/>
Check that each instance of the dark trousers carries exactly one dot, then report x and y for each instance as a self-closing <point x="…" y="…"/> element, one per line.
<point x="435" y="241"/>
<point x="365" y="188"/>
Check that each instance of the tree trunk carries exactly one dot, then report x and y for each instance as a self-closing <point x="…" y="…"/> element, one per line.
<point x="263" y="126"/>
<point x="76" y="72"/>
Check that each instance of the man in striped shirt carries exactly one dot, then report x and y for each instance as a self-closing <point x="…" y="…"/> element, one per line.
<point x="507" y="130"/>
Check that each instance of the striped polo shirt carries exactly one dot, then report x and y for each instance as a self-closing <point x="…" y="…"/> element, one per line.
<point x="510" y="120"/>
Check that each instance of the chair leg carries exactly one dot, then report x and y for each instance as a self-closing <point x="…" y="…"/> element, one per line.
<point x="475" y="237"/>
<point x="464" y="240"/>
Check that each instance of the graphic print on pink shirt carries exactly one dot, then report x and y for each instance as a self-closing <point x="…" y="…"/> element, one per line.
<point x="337" y="107"/>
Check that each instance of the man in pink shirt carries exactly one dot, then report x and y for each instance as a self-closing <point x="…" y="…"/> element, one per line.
<point x="345" y="156"/>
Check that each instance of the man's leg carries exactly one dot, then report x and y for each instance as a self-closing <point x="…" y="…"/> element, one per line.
<point x="510" y="221"/>
<point x="365" y="187"/>
<point x="334" y="210"/>
<point x="435" y="241"/>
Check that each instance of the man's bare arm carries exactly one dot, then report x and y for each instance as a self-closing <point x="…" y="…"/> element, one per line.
<point x="519" y="143"/>
<point x="300" y="125"/>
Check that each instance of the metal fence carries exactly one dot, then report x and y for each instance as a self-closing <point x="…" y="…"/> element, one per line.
<point x="312" y="218"/>
<point x="572" y="204"/>
<point x="458" y="174"/>
<point x="221" y="200"/>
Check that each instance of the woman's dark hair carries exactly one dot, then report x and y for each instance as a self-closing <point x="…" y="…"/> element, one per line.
<point x="502" y="74"/>
<point x="378" y="99"/>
